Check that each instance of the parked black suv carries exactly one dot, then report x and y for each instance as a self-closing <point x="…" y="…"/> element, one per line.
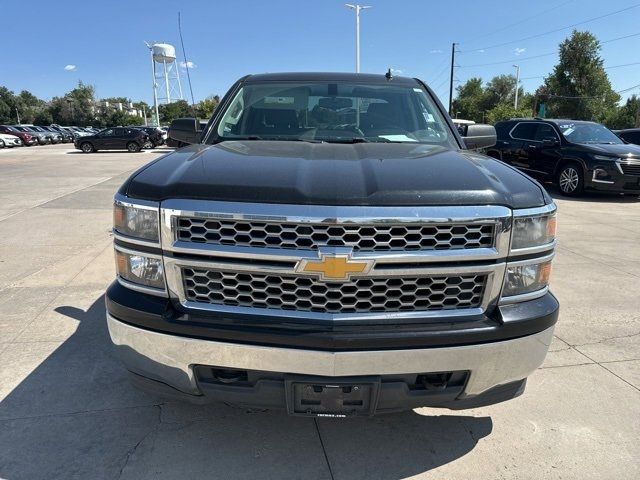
<point x="631" y="135"/>
<point x="576" y="155"/>
<point x="155" y="136"/>
<point x="119" y="138"/>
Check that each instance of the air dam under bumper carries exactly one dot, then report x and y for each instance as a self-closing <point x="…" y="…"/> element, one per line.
<point x="496" y="369"/>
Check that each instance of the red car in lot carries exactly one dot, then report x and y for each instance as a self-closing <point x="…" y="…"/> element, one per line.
<point x="26" y="138"/>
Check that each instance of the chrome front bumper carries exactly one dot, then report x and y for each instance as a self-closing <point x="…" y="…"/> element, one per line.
<point x="170" y="359"/>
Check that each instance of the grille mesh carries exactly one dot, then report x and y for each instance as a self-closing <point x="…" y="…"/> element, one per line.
<point x="308" y="294"/>
<point x="631" y="168"/>
<point x="311" y="236"/>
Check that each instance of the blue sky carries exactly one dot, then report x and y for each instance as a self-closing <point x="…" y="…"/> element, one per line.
<point x="101" y="43"/>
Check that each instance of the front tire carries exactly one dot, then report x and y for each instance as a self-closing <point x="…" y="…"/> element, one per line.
<point x="133" y="147"/>
<point x="571" y="179"/>
<point x="86" y="147"/>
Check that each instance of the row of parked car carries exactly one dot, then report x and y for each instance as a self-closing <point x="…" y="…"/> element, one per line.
<point x="28" y="135"/>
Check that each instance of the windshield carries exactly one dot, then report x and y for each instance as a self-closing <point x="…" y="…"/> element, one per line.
<point x="334" y="112"/>
<point x="588" y="133"/>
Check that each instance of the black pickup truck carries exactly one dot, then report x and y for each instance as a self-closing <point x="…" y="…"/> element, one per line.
<point x="331" y="245"/>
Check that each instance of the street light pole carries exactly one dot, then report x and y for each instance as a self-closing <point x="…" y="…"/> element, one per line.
<point x="515" y="103"/>
<point x="357" y="9"/>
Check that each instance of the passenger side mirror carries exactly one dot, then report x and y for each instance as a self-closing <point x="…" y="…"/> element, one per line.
<point x="185" y="130"/>
<point x="478" y="136"/>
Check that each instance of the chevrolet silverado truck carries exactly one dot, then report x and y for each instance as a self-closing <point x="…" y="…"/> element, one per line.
<point x="331" y="245"/>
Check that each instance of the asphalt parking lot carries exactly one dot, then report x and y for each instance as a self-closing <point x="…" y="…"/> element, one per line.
<point x="67" y="409"/>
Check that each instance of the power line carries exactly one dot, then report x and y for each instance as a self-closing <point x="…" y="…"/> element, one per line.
<point x="186" y="63"/>
<point x="604" y="68"/>
<point x="586" y="97"/>
<point x="519" y="59"/>
<point x="506" y="27"/>
<point x="552" y="31"/>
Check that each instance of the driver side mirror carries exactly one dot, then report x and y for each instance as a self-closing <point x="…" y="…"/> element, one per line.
<point x="185" y="130"/>
<point x="478" y="136"/>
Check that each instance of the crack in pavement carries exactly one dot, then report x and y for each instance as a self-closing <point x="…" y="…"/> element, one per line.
<point x="603" y="340"/>
<point x="324" y="450"/>
<point x="131" y="452"/>
<point x="79" y="412"/>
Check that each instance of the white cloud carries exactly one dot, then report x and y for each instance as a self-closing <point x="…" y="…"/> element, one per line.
<point x="396" y="71"/>
<point x="481" y="50"/>
<point x="70" y="68"/>
<point x="519" y="51"/>
<point x="187" y="65"/>
<point x="436" y="50"/>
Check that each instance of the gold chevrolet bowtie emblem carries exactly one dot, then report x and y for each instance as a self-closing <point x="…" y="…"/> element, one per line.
<point x="337" y="267"/>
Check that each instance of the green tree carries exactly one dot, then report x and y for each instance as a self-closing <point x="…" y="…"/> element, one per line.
<point x="205" y="108"/>
<point x="470" y="101"/>
<point x="475" y="101"/>
<point x="7" y="106"/>
<point x="626" y="116"/>
<point x="505" y="111"/>
<point x="579" y="87"/>
<point x="76" y="107"/>
<point x="43" y="117"/>
<point x="174" y="110"/>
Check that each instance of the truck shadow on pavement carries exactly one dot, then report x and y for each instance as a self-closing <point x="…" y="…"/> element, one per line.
<point x="77" y="416"/>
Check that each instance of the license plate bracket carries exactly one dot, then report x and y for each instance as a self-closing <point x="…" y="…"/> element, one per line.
<point x="327" y="397"/>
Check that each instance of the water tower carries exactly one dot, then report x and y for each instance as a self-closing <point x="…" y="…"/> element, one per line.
<point x="166" y="75"/>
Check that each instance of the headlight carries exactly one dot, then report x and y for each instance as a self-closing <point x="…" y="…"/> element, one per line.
<point x="141" y="269"/>
<point x="526" y="278"/>
<point x="604" y="157"/>
<point x="533" y="231"/>
<point x="136" y="221"/>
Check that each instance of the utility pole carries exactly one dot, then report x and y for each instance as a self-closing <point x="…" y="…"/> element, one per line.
<point x="18" y="115"/>
<point x="357" y="9"/>
<point x="515" y="103"/>
<point x="453" y="59"/>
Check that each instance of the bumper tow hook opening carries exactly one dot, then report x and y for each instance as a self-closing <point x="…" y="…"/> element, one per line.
<point x="229" y="376"/>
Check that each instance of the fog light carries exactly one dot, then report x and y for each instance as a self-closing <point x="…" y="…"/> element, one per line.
<point x="140" y="269"/>
<point x="601" y="175"/>
<point x="526" y="278"/>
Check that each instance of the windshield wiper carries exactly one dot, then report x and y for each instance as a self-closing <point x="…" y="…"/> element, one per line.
<point x="349" y="140"/>
<point x="273" y="139"/>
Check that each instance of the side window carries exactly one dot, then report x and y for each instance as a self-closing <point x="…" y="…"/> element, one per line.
<point x="545" y="132"/>
<point x="524" y="131"/>
<point x="118" y="132"/>
<point x="107" y="133"/>
<point x="632" y="137"/>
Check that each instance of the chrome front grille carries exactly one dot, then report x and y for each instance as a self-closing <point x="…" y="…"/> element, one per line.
<point x="402" y="262"/>
<point x="311" y="236"/>
<point x="307" y="294"/>
<point x="630" y="167"/>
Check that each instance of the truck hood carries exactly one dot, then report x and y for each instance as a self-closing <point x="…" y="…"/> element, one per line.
<point x="334" y="174"/>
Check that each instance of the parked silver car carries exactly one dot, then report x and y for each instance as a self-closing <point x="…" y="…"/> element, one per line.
<point x="42" y="137"/>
